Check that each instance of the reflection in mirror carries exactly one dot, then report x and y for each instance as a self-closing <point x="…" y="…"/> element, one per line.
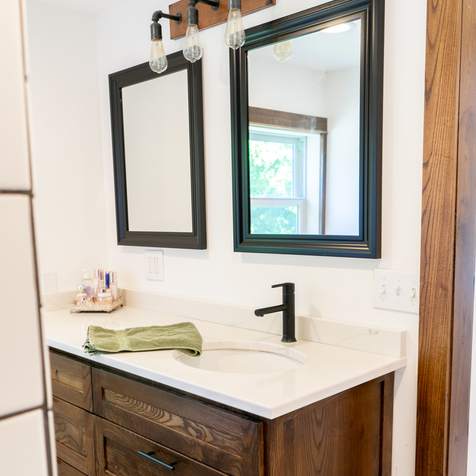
<point x="304" y="122"/>
<point x="157" y="155"/>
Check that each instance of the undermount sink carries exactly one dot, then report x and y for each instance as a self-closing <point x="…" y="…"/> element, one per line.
<point x="244" y="357"/>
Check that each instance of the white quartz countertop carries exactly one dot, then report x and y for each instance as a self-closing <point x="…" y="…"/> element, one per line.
<point x="328" y="369"/>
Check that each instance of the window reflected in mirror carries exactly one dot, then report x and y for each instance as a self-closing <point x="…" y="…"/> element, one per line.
<point x="304" y="133"/>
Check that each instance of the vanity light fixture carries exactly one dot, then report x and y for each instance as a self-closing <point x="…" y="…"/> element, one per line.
<point x="158" y="58"/>
<point x="192" y="50"/>
<point x="234" y="33"/>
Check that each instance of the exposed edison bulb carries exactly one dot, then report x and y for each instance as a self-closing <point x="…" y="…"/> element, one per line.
<point x="192" y="49"/>
<point x="235" y="33"/>
<point x="158" y="59"/>
<point x="283" y="51"/>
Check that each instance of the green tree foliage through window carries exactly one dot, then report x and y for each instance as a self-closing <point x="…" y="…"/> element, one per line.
<point x="271" y="169"/>
<point x="274" y="220"/>
<point x="272" y="180"/>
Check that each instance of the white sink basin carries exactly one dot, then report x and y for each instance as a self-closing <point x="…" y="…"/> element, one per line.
<point x="244" y="357"/>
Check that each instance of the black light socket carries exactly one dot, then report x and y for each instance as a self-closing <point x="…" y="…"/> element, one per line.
<point x="155" y="31"/>
<point x="234" y="4"/>
<point x="192" y="16"/>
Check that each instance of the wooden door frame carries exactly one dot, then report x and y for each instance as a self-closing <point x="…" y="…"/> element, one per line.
<point x="448" y="239"/>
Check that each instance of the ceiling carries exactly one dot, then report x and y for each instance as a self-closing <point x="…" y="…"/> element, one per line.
<point x="89" y="6"/>
<point x="321" y="51"/>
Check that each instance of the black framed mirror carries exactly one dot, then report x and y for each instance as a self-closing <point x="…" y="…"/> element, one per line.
<point x="157" y="133"/>
<point x="306" y="104"/>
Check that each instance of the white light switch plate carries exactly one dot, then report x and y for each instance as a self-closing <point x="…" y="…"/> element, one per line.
<point x="397" y="290"/>
<point x="154" y="265"/>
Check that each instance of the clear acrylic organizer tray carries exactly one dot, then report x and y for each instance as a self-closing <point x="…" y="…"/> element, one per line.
<point x="106" y="306"/>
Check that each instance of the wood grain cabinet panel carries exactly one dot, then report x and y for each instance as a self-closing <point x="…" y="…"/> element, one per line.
<point x="348" y="434"/>
<point x="123" y="453"/>
<point x="65" y="469"/>
<point x="71" y="381"/>
<point x="74" y="435"/>
<point x="215" y="437"/>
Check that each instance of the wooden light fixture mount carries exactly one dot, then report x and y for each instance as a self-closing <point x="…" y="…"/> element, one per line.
<point x="209" y="17"/>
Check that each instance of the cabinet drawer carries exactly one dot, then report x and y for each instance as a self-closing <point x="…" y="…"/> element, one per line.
<point x="118" y="455"/>
<point x="65" y="469"/>
<point x="217" y="438"/>
<point x="74" y="436"/>
<point x="71" y="381"/>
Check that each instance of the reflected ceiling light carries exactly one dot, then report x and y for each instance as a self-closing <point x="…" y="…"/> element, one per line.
<point x="192" y="49"/>
<point x="339" y="28"/>
<point x="283" y="51"/>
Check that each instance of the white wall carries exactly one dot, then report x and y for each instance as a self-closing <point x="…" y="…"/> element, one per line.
<point x="343" y="106"/>
<point x="331" y="287"/>
<point x="66" y="139"/>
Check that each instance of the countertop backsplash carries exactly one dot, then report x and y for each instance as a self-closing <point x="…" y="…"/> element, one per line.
<point x="378" y="340"/>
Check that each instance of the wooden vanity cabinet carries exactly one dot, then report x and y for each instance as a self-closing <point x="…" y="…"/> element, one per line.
<point x="142" y="428"/>
<point x="74" y="421"/>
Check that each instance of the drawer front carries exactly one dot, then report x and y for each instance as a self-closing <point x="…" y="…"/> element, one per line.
<point x="217" y="438"/>
<point x="118" y="455"/>
<point x="74" y="434"/>
<point x="71" y="381"/>
<point x="65" y="469"/>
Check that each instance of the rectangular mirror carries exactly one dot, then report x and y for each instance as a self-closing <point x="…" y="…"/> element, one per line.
<point x="306" y="117"/>
<point x="157" y="127"/>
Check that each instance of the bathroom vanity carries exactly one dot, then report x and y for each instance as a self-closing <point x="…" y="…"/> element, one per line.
<point x="148" y="414"/>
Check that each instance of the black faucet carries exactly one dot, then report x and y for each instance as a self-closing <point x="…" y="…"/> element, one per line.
<point x="288" y="311"/>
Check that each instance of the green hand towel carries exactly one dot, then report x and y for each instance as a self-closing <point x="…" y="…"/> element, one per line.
<point x="183" y="336"/>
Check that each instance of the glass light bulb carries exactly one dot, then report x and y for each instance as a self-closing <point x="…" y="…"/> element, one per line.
<point x="192" y="49"/>
<point x="235" y="33"/>
<point x="158" y="59"/>
<point x="283" y="51"/>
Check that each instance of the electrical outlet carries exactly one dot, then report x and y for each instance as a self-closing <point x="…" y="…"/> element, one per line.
<point x="154" y="265"/>
<point x="397" y="290"/>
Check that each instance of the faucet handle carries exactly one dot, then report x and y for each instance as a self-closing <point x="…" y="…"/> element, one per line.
<point x="288" y="288"/>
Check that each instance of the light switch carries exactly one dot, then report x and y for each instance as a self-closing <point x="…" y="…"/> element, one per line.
<point x="397" y="290"/>
<point x="154" y="265"/>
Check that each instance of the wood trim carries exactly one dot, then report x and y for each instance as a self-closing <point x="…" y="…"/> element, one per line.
<point x="209" y="17"/>
<point x="448" y="239"/>
<point x="287" y="120"/>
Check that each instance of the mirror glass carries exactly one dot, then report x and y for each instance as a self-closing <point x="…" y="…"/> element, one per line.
<point x="157" y="155"/>
<point x="304" y="122"/>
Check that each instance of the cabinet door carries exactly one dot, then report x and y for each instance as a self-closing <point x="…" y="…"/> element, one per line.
<point x="124" y="453"/>
<point x="65" y="469"/>
<point x="74" y="437"/>
<point x="348" y="434"/>
<point x="71" y="381"/>
<point x="217" y="438"/>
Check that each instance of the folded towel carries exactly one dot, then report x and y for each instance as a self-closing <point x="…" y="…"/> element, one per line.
<point x="183" y="336"/>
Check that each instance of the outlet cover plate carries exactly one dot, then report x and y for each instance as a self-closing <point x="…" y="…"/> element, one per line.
<point x="397" y="290"/>
<point x="154" y="265"/>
